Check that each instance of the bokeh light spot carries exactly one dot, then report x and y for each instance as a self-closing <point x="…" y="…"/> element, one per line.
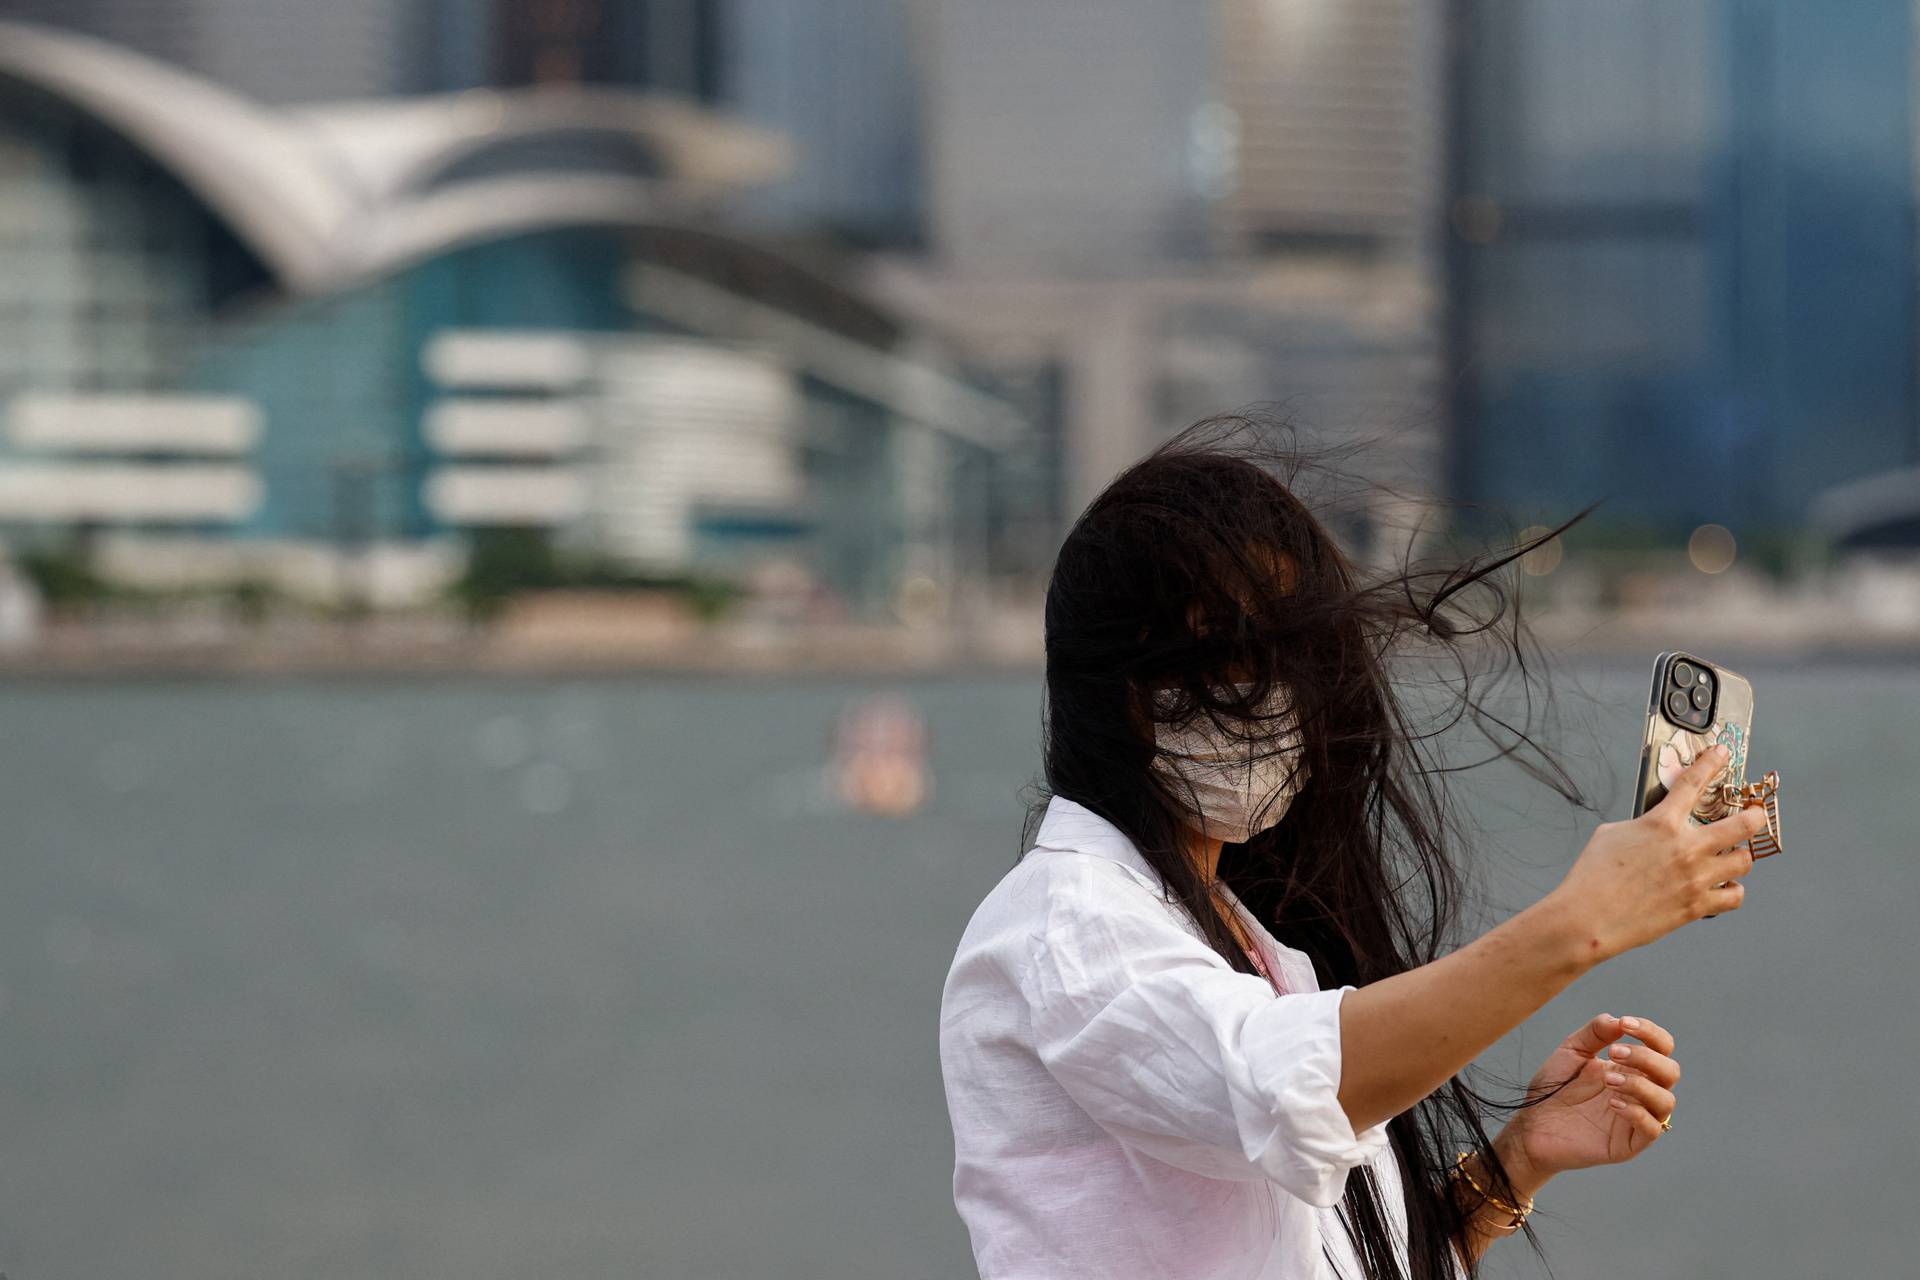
<point x="1710" y="548"/>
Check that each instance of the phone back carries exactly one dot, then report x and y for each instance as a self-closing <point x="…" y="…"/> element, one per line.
<point x="1668" y="748"/>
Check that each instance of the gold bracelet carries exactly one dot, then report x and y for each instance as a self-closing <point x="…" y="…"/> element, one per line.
<point x="1500" y="1228"/>
<point x="1519" y="1212"/>
<point x="1460" y="1165"/>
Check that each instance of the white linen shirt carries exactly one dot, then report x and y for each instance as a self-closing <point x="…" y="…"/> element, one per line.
<point x="1125" y="1104"/>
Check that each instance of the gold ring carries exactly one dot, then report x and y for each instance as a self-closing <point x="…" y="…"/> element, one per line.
<point x="1667" y="1124"/>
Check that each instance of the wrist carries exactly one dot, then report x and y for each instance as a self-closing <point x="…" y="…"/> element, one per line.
<point x="1526" y="1177"/>
<point x="1560" y="930"/>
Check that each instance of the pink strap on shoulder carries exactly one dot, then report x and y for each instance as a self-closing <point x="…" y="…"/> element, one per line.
<point x="1264" y="963"/>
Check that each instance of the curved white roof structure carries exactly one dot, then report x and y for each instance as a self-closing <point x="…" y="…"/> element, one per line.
<point x="329" y="195"/>
<point x="1882" y="509"/>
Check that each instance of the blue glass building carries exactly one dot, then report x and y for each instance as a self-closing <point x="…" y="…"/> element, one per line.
<point x="1681" y="256"/>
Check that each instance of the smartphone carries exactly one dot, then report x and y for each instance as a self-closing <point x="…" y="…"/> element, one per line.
<point x="1694" y="704"/>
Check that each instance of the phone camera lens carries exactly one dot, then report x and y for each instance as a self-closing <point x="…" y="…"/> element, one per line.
<point x="1677" y="705"/>
<point x="1702" y="696"/>
<point x="1682" y="673"/>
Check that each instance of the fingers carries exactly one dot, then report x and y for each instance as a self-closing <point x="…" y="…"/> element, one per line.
<point x="1603" y="1029"/>
<point x="1649" y="1033"/>
<point x="1734" y="829"/>
<point x="1721" y="901"/>
<point x="1729" y="857"/>
<point x="1638" y="1089"/>
<point x="1644" y="1123"/>
<point x="1687" y="787"/>
<point x="1727" y="868"/>
<point x="1649" y="1062"/>
<point x="1731" y="865"/>
<point x="1599" y="1032"/>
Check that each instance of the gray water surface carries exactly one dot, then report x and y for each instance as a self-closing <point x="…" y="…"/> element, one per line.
<point x="586" y="978"/>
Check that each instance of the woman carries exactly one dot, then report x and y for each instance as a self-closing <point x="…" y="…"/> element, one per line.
<point x="1210" y="1024"/>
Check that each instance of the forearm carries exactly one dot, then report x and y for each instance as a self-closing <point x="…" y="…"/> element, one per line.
<point x="1405" y="1036"/>
<point x="1487" y="1222"/>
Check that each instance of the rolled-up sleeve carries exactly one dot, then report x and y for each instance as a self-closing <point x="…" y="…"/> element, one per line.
<point x="1180" y="1056"/>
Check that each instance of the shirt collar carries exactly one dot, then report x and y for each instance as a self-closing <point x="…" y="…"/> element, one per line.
<point x="1072" y="826"/>
<point x="1075" y="828"/>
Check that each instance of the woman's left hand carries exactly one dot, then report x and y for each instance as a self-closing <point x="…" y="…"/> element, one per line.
<point x="1612" y="1109"/>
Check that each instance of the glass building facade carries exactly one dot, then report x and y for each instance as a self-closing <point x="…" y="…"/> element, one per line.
<point x="112" y="270"/>
<point x="1681" y="256"/>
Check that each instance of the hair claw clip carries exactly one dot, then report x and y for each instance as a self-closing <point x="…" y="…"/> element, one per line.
<point x="1765" y="793"/>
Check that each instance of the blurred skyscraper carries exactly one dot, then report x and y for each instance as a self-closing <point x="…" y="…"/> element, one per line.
<point x="1682" y="258"/>
<point x="669" y="46"/>
<point x="1331" y="105"/>
<point x="1092" y="137"/>
<point x="1159" y="211"/>
<point x="842" y="79"/>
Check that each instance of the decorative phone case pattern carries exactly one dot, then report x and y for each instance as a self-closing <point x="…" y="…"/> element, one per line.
<point x="1669" y="748"/>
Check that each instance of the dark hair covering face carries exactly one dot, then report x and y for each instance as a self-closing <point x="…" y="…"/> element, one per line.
<point x="1198" y="570"/>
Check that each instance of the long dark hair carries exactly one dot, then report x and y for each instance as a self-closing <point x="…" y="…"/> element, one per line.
<point x="1194" y="586"/>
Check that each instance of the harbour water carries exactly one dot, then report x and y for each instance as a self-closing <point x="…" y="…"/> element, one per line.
<point x="589" y="978"/>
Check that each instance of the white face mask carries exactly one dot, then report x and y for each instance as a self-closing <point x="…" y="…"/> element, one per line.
<point x="1240" y="788"/>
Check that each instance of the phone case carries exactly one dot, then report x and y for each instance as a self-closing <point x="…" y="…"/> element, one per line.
<point x="1667" y="748"/>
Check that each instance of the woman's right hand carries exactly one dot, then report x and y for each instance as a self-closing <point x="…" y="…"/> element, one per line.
<point x="1404" y="1036"/>
<point x="1639" y="880"/>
